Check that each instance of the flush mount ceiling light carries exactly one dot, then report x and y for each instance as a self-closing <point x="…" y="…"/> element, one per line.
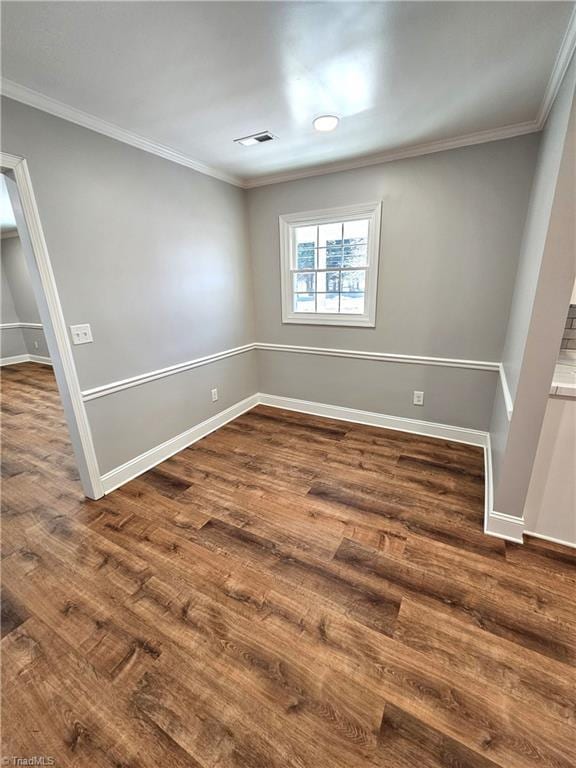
<point x="255" y="138"/>
<point x="326" y="123"/>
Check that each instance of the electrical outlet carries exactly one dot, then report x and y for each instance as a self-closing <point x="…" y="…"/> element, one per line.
<point x="418" y="398"/>
<point x="81" y="334"/>
<point x="214" y="395"/>
<point x="35" y="345"/>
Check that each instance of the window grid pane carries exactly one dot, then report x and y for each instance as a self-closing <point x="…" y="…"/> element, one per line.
<point x="329" y="268"/>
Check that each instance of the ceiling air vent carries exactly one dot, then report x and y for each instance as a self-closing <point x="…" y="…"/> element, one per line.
<point x="255" y="138"/>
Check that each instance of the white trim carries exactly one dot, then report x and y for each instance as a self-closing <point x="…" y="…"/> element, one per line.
<point x="61" y="351"/>
<point x="8" y="326"/>
<point x="504" y="526"/>
<point x="400" y="423"/>
<point x="506" y="391"/>
<point x="151" y="458"/>
<point x="496" y="523"/>
<point x="145" y="461"/>
<point x="389" y="156"/>
<point x="40" y="359"/>
<point x="565" y="53"/>
<point x="15" y="359"/>
<point x="287" y="224"/>
<point x="134" y="381"/>
<point x="144" y="378"/>
<point x="385" y="357"/>
<point x="38" y="100"/>
<point x="54" y="107"/>
<point x="551" y="539"/>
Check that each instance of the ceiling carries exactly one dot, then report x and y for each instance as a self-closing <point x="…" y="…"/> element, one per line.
<point x="193" y="76"/>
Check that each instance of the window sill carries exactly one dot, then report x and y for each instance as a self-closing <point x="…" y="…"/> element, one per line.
<point x="348" y="322"/>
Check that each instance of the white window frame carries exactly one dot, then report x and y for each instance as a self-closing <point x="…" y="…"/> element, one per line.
<point x="288" y="224"/>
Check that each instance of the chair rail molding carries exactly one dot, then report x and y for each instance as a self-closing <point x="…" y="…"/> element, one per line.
<point x="9" y="326"/>
<point x="384" y="357"/>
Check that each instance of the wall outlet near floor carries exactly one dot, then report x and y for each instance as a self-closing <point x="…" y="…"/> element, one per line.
<point x="81" y="334"/>
<point x="214" y="395"/>
<point x="35" y="345"/>
<point x="418" y="398"/>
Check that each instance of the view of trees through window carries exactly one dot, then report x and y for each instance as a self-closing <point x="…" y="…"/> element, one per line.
<point x="329" y="267"/>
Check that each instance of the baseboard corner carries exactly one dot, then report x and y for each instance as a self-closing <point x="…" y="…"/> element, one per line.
<point x="151" y="458"/>
<point x="504" y="526"/>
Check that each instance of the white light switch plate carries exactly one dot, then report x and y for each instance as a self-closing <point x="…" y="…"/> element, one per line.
<point x="81" y="334"/>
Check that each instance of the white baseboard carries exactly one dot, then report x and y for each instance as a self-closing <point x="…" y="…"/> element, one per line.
<point x="504" y="526"/>
<point x="429" y="428"/>
<point x="15" y="359"/>
<point x="496" y="523"/>
<point x="145" y="461"/>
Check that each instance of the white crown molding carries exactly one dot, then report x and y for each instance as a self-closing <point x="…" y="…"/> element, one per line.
<point x="565" y="53"/>
<point x="8" y="326"/>
<point x="35" y="99"/>
<point x="135" y="381"/>
<point x="416" y="150"/>
<point x="38" y="100"/>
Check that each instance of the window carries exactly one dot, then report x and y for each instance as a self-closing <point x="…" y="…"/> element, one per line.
<point x="330" y="265"/>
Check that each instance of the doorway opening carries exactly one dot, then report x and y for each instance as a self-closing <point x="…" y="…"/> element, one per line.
<point x="39" y="378"/>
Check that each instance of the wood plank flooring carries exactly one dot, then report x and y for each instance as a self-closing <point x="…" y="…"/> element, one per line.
<point x="289" y="592"/>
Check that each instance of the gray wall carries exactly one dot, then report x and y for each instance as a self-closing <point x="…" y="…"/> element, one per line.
<point x="134" y="420"/>
<point x="18" y="304"/>
<point x="451" y="234"/>
<point x="551" y="500"/>
<point x="454" y="396"/>
<point x="544" y="285"/>
<point x="131" y="237"/>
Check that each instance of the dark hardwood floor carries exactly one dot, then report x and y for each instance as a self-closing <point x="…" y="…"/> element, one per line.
<point x="289" y="592"/>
